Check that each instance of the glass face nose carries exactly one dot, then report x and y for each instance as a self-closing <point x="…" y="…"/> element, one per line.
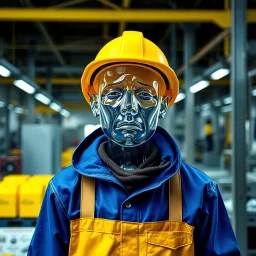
<point x="129" y="103"/>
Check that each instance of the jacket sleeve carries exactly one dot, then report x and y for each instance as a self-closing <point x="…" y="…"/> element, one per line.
<point x="51" y="236"/>
<point x="213" y="232"/>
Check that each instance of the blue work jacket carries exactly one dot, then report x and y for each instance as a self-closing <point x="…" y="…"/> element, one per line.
<point x="202" y="207"/>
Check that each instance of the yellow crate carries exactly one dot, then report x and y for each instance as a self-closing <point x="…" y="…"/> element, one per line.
<point x="8" y="200"/>
<point x="30" y="199"/>
<point x="41" y="179"/>
<point x="66" y="157"/>
<point x="16" y="178"/>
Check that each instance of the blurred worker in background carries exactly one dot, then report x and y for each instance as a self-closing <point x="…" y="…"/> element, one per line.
<point x="208" y="131"/>
<point x="127" y="191"/>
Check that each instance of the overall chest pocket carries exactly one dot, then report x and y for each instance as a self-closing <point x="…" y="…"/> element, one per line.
<point x="173" y="243"/>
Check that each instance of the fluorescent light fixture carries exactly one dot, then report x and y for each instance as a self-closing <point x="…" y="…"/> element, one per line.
<point x="218" y="74"/>
<point x="206" y="106"/>
<point x="199" y="86"/>
<point x="4" y="71"/>
<point x="19" y="110"/>
<point x="24" y="86"/>
<point x="2" y="104"/>
<point x="42" y="98"/>
<point x="217" y="103"/>
<point x="226" y="109"/>
<point x="55" y="106"/>
<point x="65" y="113"/>
<point x="227" y="100"/>
<point x="254" y="92"/>
<point x="206" y="113"/>
<point x="181" y="96"/>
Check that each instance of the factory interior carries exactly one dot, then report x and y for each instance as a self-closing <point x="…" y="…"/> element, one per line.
<point x="44" y="49"/>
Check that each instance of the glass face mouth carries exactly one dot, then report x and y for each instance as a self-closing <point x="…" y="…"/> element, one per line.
<point x="129" y="103"/>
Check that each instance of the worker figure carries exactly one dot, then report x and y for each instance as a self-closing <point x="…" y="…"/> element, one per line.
<point x="128" y="192"/>
<point x="208" y="135"/>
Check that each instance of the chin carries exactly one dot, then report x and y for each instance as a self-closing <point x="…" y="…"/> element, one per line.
<point x="130" y="141"/>
<point x="128" y="138"/>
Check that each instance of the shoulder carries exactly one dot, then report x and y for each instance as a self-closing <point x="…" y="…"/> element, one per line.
<point x="196" y="181"/>
<point x="197" y="188"/>
<point x="65" y="186"/>
<point x="66" y="178"/>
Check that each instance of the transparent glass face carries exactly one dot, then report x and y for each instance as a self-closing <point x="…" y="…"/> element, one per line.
<point x="129" y="103"/>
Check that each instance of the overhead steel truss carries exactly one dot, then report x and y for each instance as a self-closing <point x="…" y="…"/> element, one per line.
<point x="77" y="81"/>
<point x="220" y="17"/>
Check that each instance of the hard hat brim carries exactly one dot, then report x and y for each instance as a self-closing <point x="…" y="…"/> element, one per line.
<point x="169" y="74"/>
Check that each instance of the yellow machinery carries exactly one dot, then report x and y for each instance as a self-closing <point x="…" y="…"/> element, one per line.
<point x="41" y="179"/>
<point x="31" y="195"/>
<point x="16" y="178"/>
<point x="9" y="194"/>
<point x="66" y="157"/>
<point x="22" y="195"/>
<point x="30" y="199"/>
<point x="8" y="200"/>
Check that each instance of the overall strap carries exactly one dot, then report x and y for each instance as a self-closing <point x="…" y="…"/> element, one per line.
<point x="175" y="198"/>
<point x="87" y="203"/>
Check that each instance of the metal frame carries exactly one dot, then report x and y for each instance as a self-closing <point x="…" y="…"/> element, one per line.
<point x="189" y="46"/>
<point x="239" y="95"/>
<point x="31" y="102"/>
<point x="220" y="17"/>
<point x="77" y="81"/>
<point x="205" y="49"/>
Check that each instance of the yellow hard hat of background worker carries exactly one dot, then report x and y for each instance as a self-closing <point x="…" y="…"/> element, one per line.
<point x="131" y="47"/>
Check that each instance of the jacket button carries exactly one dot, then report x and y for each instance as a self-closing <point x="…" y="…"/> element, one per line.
<point x="128" y="204"/>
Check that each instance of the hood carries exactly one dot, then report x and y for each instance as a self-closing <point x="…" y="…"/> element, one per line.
<point x="87" y="162"/>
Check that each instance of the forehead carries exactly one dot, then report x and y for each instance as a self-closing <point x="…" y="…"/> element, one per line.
<point x="118" y="74"/>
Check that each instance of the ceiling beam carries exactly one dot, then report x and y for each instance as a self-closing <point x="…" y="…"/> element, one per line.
<point x="220" y="17"/>
<point x="77" y="81"/>
<point x="42" y="81"/>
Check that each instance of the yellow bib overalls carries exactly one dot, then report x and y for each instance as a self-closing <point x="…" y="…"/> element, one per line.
<point x="101" y="237"/>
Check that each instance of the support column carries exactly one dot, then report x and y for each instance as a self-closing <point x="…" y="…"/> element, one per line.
<point x="31" y="73"/>
<point x="252" y="116"/>
<point x="173" y="59"/>
<point x="189" y="145"/>
<point x="7" y="121"/>
<point x="169" y="121"/>
<point x="238" y="92"/>
<point x="49" y="89"/>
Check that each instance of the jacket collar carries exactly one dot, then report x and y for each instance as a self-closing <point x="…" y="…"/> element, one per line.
<point x="86" y="160"/>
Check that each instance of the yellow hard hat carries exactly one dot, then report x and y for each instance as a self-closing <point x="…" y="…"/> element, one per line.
<point x="131" y="47"/>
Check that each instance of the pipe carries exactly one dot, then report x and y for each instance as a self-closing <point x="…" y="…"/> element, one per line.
<point x="207" y="48"/>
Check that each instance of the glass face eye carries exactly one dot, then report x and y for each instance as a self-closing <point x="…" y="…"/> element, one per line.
<point x="144" y="95"/>
<point x="113" y="95"/>
<point x="129" y="103"/>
